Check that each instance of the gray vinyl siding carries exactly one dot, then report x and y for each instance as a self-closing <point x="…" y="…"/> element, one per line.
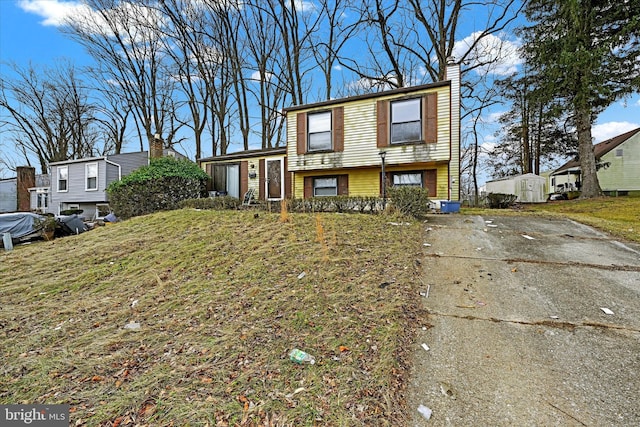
<point x="76" y="184"/>
<point x="130" y="161"/>
<point x="8" y="195"/>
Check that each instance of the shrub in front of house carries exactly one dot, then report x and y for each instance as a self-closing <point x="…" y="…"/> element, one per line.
<point x="214" y="203"/>
<point x="161" y="185"/>
<point x="351" y="204"/>
<point x="409" y="200"/>
<point x="500" y="200"/>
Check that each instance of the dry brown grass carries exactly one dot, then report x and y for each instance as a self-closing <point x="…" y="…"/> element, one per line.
<point x="221" y="301"/>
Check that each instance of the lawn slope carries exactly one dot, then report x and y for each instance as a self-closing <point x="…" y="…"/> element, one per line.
<point x="221" y="298"/>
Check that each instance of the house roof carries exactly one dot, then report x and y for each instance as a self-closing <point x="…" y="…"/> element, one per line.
<point x="247" y="154"/>
<point x="368" y="96"/>
<point x="523" y="176"/>
<point x="599" y="150"/>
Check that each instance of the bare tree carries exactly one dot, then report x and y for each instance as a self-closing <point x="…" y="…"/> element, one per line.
<point x="48" y="114"/>
<point x="125" y="41"/>
<point x="328" y="43"/>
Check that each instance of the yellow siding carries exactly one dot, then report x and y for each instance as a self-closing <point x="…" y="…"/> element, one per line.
<point x="360" y="138"/>
<point x="365" y="182"/>
<point x="362" y="182"/>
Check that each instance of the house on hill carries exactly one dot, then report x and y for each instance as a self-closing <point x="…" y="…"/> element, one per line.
<point x="82" y="183"/>
<point x="355" y="146"/>
<point x="618" y="162"/>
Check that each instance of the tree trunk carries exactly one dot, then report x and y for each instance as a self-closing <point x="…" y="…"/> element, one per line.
<point x="590" y="185"/>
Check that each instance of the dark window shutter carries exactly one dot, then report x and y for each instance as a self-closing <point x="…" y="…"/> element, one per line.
<point x="287" y="180"/>
<point x="244" y="177"/>
<point x="301" y="135"/>
<point x="338" y="129"/>
<point x="343" y="185"/>
<point x="308" y="187"/>
<point x="430" y="119"/>
<point x="261" y="179"/>
<point x="430" y="182"/>
<point x="382" y="139"/>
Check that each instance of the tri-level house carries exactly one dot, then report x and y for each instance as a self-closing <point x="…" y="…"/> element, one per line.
<point x="356" y="146"/>
<point x="82" y="183"/>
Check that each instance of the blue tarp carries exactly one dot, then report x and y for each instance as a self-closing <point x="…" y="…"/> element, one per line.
<point x="21" y="224"/>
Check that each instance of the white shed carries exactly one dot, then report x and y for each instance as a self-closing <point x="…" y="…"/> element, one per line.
<point x="529" y="188"/>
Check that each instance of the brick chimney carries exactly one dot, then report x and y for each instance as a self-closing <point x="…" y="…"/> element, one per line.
<point x="26" y="179"/>
<point x="156" y="147"/>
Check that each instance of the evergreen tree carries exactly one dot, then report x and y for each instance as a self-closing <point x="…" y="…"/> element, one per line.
<point x="585" y="54"/>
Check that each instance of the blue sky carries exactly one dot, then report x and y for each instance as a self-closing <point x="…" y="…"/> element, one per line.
<point x="29" y="33"/>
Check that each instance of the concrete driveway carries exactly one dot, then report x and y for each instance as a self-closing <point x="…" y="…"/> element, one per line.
<point x="520" y="334"/>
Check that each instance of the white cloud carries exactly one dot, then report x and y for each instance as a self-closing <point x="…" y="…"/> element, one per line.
<point x="638" y="103"/>
<point x="500" y="54"/>
<point x="54" y="12"/>
<point x="604" y="131"/>
<point x="256" y="76"/>
<point x="337" y="68"/>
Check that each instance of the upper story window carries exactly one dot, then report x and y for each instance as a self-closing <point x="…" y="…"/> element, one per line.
<point x="91" y="173"/>
<point x="319" y="131"/>
<point x="406" y="123"/>
<point x="63" y="178"/>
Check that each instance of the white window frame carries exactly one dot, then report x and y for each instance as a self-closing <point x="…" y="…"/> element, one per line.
<point x="59" y="170"/>
<point x="42" y="200"/>
<point x="397" y="177"/>
<point x="87" y="177"/>
<point x="319" y="179"/>
<point x="319" y="126"/>
<point x="398" y="120"/>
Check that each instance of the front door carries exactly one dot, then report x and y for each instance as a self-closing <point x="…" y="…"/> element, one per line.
<point x="274" y="179"/>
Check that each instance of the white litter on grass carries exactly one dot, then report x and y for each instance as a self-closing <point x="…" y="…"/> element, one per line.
<point x="428" y="245"/>
<point x="492" y="225"/>
<point x="301" y="275"/>
<point x="425" y="412"/>
<point x="528" y="237"/>
<point x="399" y="223"/>
<point x="606" y="310"/>
<point x="134" y="303"/>
<point x="426" y="347"/>
<point x="134" y="326"/>
<point x="554" y="317"/>
<point x="489" y="221"/>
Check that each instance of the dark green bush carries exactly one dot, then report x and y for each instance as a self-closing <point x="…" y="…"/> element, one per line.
<point x="215" y="203"/>
<point x="500" y="200"/>
<point x="160" y="186"/>
<point x="337" y="204"/>
<point x="409" y="200"/>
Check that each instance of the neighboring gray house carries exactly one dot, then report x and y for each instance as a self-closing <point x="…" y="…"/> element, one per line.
<point x="16" y="193"/>
<point x="8" y="194"/>
<point x="40" y="194"/>
<point x="82" y="183"/>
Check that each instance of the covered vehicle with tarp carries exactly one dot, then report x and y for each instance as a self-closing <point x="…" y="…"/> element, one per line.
<point x="69" y="224"/>
<point x="22" y="225"/>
